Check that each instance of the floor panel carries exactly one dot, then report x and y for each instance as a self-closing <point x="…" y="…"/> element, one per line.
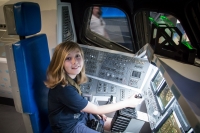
<point x="10" y="120"/>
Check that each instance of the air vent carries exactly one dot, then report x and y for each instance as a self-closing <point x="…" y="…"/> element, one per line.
<point x="65" y="23"/>
<point x="67" y="32"/>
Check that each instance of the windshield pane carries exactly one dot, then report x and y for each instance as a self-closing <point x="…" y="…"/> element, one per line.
<point x="111" y="23"/>
<point x="171" y="21"/>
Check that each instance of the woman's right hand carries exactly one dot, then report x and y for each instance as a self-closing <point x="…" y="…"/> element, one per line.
<point x="134" y="100"/>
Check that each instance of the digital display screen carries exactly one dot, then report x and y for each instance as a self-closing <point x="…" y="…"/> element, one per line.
<point x="165" y="96"/>
<point x="158" y="79"/>
<point x="136" y="74"/>
<point x="170" y="126"/>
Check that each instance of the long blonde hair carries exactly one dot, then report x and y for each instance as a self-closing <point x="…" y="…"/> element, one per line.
<point x="55" y="72"/>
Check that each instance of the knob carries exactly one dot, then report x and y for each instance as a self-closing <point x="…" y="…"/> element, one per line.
<point x="155" y="113"/>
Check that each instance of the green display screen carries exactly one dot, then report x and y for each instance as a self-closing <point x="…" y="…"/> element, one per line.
<point x="170" y="126"/>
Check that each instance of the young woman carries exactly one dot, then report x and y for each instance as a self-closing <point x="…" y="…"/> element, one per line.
<point x="68" y="110"/>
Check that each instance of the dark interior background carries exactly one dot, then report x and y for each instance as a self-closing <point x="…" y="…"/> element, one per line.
<point x="187" y="11"/>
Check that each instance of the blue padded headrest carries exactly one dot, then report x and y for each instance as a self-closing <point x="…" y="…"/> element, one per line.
<point x="27" y="18"/>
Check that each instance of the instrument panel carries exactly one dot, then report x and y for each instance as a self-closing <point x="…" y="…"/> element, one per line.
<point x="123" y="69"/>
<point x="113" y="73"/>
<point x="118" y="74"/>
<point x="97" y="87"/>
<point x="164" y="113"/>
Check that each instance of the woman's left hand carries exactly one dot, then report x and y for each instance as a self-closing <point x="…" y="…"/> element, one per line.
<point x="102" y="116"/>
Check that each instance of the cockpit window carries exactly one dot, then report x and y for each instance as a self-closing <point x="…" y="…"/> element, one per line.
<point x="110" y="24"/>
<point x="161" y="30"/>
<point x="167" y="20"/>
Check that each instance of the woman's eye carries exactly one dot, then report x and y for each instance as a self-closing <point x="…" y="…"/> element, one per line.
<point x="78" y="55"/>
<point x="68" y="58"/>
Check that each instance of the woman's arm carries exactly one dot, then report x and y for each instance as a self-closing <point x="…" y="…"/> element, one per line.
<point x="103" y="109"/>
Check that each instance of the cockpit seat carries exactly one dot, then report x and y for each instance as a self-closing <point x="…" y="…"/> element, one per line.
<point x="28" y="60"/>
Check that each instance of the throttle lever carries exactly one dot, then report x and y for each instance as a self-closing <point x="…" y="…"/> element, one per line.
<point x="138" y="95"/>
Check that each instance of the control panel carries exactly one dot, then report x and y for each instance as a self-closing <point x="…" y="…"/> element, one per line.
<point x="120" y="75"/>
<point x="124" y="69"/>
<point x="98" y="87"/>
<point x="164" y="112"/>
<point x="112" y="73"/>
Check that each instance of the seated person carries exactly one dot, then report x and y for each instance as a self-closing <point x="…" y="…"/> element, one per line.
<point x="69" y="112"/>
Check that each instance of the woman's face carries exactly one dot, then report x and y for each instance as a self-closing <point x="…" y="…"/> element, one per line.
<point x="73" y="63"/>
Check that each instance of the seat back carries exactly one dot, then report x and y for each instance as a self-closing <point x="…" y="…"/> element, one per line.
<point x="31" y="59"/>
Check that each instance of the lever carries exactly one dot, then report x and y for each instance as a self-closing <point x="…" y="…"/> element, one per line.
<point x="138" y="95"/>
<point x="110" y="100"/>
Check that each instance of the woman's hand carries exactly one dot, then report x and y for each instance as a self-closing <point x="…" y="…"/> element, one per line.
<point x="102" y="116"/>
<point x="134" y="100"/>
